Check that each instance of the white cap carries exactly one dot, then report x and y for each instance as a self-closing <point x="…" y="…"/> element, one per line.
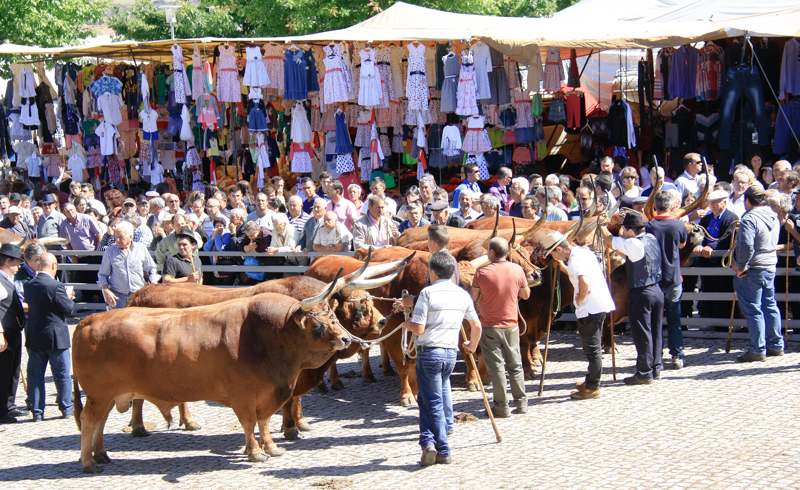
<point x="717" y="195"/>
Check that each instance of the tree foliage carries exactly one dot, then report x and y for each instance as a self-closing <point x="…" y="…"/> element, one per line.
<point x="145" y="22"/>
<point x="49" y="23"/>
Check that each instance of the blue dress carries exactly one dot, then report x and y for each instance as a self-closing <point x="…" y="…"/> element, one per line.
<point x="257" y="115"/>
<point x="313" y="81"/>
<point x="343" y="142"/>
<point x="295" y="78"/>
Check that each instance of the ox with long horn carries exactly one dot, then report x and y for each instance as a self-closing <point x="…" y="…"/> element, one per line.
<point x="368" y="281"/>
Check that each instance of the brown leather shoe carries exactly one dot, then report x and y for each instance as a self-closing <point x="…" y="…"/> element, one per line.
<point x="428" y="456"/>
<point x="580" y="386"/>
<point x="585" y="394"/>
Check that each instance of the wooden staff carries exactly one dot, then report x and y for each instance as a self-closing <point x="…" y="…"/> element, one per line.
<point x="730" y="327"/>
<point x="555" y="266"/>
<point x="611" y="322"/>
<point x="483" y="392"/>
<point x="191" y="260"/>
<point x="786" y="304"/>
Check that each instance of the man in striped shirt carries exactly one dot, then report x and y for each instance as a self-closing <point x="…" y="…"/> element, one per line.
<point x="438" y="314"/>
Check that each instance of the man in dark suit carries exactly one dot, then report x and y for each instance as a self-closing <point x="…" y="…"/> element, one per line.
<point x="12" y="319"/>
<point x="47" y="337"/>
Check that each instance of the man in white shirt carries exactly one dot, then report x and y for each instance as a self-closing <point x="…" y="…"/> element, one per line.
<point x="553" y="197"/>
<point x="332" y="236"/>
<point x="592" y="301"/>
<point x="465" y="209"/>
<point x="262" y="215"/>
<point x="173" y="202"/>
<point x="378" y="188"/>
<point x="87" y="191"/>
<point x="687" y="181"/>
<point x="213" y="209"/>
<point x="742" y="179"/>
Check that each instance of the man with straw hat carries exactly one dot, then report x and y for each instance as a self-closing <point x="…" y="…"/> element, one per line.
<point x="592" y="301"/>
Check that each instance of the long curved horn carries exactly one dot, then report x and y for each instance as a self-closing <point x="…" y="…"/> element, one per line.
<point x="494" y="231"/>
<point x="587" y="230"/>
<point x="310" y="303"/>
<point x="51" y="240"/>
<point x="592" y="209"/>
<point x="573" y="230"/>
<point x="513" y="233"/>
<point x="359" y="272"/>
<point x="656" y="186"/>
<point x="381" y="269"/>
<point x="536" y="226"/>
<point x="480" y="261"/>
<point x="19" y="243"/>
<point x="617" y="204"/>
<point x="691" y="208"/>
<point x="372" y="283"/>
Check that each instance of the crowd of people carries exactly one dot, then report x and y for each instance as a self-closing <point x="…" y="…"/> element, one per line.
<point x="154" y="236"/>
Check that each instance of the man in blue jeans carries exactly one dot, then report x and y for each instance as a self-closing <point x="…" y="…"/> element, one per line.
<point x="47" y="337"/>
<point x="754" y="260"/>
<point x="671" y="235"/>
<point x="438" y="314"/>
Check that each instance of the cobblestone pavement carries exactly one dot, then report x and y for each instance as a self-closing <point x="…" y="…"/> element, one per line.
<point x="714" y="424"/>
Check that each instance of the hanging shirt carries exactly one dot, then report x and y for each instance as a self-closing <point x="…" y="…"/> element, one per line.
<point x="683" y="73"/>
<point x="790" y="68"/>
<point x="108" y="138"/>
<point x="710" y="70"/>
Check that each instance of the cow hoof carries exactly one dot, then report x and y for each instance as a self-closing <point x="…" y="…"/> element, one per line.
<point x="140" y="432"/>
<point x="259" y="457"/>
<point x="407" y="401"/>
<point x="472" y="387"/>
<point x="369" y="378"/>
<point x="304" y="427"/>
<point x="92" y="469"/>
<point x="390" y="372"/>
<point x="292" y="434"/>
<point x="337" y="386"/>
<point x="102" y="458"/>
<point x="321" y="388"/>
<point x="275" y="451"/>
<point x="191" y="425"/>
<point x="607" y="349"/>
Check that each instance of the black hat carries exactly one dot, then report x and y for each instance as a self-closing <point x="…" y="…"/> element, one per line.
<point x="11" y="250"/>
<point x="14" y="197"/>
<point x="48" y="199"/>
<point x="187" y="233"/>
<point x="633" y="220"/>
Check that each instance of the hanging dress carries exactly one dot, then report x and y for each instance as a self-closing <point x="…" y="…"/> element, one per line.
<point x="186" y="127"/>
<point x="383" y="62"/>
<point x="364" y="128"/>
<point x="416" y="81"/>
<point x="343" y="142"/>
<point x="482" y="59"/>
<point x="451" y="63"/>
<point x="369" y="91"/>
<point x="273" y="63"/>
<point x="312" y="81"/>
<point x="498" y="81"/>
<point x="477" y="139"/>
<point x="396" y="57"/>
<point x="29" y="113"/>
<point x="347" y="70"/>
<point x="335" y="86"/>
<point x="257" y="119"/>
<point x="180" y="81"/>
<point x="301" y="152"/>
<point x="466" y="98"/>
<point x="522" y="102"/>
<point x="553" y="70"/>
<point x="198" y="77"/>
<point x="255" y="73"/>
<point x="263" y="160"/>
<point x="294" y="75"/>
<point x="228" y="89"/>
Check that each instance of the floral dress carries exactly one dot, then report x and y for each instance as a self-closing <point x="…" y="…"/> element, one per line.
<point x="228" y="89"/>
<point x="417" y="81"/>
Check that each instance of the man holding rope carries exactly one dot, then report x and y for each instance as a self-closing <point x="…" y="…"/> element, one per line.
<point x="440" y="309"/>
<point x="592" y="301"/>
<point x="499" y="284"/>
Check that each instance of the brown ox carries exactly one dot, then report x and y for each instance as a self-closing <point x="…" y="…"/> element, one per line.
<point x="243" y="353"/>
<point x="7" y="236"/>
<point x="353" y="309"/>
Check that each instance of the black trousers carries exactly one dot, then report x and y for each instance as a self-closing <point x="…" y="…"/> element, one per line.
<point x="590" y="328"/>
<point x="645" y="311"/>
<point x="9" y="370"/>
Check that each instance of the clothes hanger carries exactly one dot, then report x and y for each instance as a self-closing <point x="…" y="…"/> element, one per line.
<point x="305" y="47"/>
<point x="294" y="47"/>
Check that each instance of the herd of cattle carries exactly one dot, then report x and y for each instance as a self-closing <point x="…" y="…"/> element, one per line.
<point x="259" y="349"/>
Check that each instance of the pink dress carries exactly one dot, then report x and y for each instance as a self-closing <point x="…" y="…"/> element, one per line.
<point x="228" y="89"/>
<point x="466" y="99"/>
<point x="198" y="78"/>
<point x="335" y="87"/>
<point x="273" y="62"/>
<point x="477" y="139"/>
<point x="553" y="70"/>
<point x="522" y="102"/>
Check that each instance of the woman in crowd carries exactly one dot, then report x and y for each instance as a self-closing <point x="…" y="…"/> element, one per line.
<point x="630" y="188"/>
<point x="412" y="195"/>
<point x="763" y="173"/>
<point x="354" y="192"/>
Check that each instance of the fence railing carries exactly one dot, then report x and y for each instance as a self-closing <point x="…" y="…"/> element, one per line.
<point x="780" y="274"/>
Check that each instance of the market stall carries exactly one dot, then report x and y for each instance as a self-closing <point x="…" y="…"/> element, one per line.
<point x="405" y="92"/>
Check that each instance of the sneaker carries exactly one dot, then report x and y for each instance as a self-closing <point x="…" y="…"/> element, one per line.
<point x="638" y="380"/>
<point x="774" y="352"/>
<point x="656" y="376"/>
<point x="585" y="394"/>
<point x="18" y="412"/>
<point x="66" y="415"/>
<point x="444" y="459"/>
<point x="751" y="357"/>
<point x="677" y="363"/>
<point x="428" y="456"/>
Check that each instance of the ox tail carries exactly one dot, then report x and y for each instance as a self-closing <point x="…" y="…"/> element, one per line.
<point x="78" y="404"/>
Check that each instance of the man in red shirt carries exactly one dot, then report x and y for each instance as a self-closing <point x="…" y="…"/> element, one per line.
<point x="499" y="284"/>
